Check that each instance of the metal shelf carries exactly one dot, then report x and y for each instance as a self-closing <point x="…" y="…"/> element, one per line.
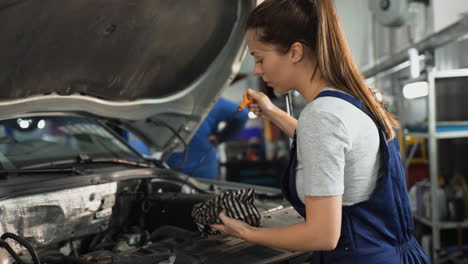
<point x="435" y="132"/>
<point x="442" y="224"/>
<point x="445" y="74"/>
<point x="457" y="73"/>
<point x="441" y="135"/>
<point x="448" y="129"/>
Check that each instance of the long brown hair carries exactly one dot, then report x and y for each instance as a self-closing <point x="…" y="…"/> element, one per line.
<point x="315" y="24"/>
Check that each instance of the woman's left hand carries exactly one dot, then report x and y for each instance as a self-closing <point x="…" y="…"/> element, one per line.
<point x="233" y="226"/>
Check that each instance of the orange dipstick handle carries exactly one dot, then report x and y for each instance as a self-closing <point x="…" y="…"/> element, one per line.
<point x="245" y="102"/>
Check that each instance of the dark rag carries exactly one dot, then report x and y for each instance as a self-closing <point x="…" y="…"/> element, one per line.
<point x="238" y="204"/>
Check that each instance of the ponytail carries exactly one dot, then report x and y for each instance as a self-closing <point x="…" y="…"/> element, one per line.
<point x="337" y="66"/>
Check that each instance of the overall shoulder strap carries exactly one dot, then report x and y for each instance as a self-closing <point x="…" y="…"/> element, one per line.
<point x="352" y="100"/>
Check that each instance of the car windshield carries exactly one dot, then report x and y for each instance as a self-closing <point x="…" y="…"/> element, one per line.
<point x="29" y="141"/>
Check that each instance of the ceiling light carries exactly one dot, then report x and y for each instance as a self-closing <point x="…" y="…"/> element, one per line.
<point x="24" y="124"/>
<point x="41" y="124"/>
<point x="415" y="90"/>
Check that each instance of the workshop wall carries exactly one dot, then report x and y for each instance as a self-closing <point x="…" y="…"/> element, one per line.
<point x="371" y="42"/>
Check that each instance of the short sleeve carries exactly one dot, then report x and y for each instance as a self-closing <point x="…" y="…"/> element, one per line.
<point x="323" y="144"/>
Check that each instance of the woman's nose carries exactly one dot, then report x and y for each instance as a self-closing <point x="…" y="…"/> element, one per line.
<point x="257" y="71"/>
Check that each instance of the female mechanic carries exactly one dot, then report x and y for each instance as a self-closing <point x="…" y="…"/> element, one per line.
<point x="345" y="174"/>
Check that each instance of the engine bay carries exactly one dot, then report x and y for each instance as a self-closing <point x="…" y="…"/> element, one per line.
<point x="130" y="221"/>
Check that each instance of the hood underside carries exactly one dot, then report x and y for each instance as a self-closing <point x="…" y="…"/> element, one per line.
<point x="143" y="63"/>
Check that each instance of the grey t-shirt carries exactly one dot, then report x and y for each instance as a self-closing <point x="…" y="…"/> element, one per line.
<point x="337" y="151"/>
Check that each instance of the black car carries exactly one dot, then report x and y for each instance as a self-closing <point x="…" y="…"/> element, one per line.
<point x="71" y="73"/>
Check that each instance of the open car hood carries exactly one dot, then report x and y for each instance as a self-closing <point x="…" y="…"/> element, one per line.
<point x="147" y="64"/>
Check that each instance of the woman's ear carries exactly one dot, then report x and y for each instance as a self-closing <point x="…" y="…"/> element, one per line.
<point x="296" y="52"/>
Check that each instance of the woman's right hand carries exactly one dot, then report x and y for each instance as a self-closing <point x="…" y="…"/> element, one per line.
<point x="264" y="108"/>
<point x="262" y="105"/>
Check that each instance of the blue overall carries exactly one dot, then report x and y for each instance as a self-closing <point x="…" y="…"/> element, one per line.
<point x="378" y="230"/>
